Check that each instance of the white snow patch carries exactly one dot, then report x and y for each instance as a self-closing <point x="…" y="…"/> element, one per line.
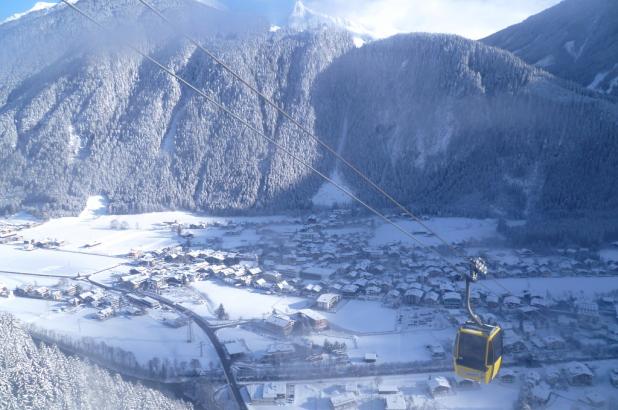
<point x="329" y="195"/>
<point x="241" y="303"/>
<point x="453" y="230"/>
<point x="364" y="317"/>
<point x="358" y="42"/>
<point x="569" y="46"/>
<point x="95" y="206"/>
<point x="274" y="28"/>
<point x="41" y="5"/>
<point x="53" y="262"/>
<point x="546" y="61"/>
<point x="304" y="18"/>
<point x="598" y="79"/>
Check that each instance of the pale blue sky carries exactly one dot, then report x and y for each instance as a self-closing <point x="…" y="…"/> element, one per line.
<point x="381" y="18"/>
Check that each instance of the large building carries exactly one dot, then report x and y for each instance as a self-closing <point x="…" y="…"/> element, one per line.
<point x="328" y="301"/>
<point x="316" y="320"/>
<point x="279" y="324"/>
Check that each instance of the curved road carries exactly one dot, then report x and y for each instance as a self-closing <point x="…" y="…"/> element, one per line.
<point x="205" y="326"/>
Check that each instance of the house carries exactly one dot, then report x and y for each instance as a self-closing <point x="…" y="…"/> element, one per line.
<point x="388" y="389"/>
<point x="327" y="301"/>
<point x="395" y="402"/>
<point x="106" y="313"/>
<point x="493" y="301"/>
<point x="507" y="376"/>
<point x="511" y="302"/>
<point x="431" y="298"/>
<point x="235" y="349"/>
<point x="5" y="292"/>
<point x="451" y="300"/>
<point x="578" y="374"/>
<point x="267" y="393"/>
<point x="370" y="357"/>
<point x="342" y="401"/>
<point x="316" y="320"/>
<point x="278" y="352"/>
<point x="350" y="290"/>
<point x="279" y="324"/>
<point x="540" y="395"/>
<point x="413" y="296"/>
<point x="438" y="386"/>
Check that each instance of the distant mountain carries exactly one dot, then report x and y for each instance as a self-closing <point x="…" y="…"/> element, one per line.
<point x="446" y="124"/>
<point x="42" y="377"/>
<point x="576" y="40"/>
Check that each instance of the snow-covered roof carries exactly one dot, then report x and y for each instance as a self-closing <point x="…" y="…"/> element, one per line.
<point x="395" y="402"/>
<point x="439" y="382"/>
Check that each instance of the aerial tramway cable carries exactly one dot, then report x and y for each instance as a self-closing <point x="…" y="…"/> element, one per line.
<point x="266" y="137"/>
<point x="298" y="124"/>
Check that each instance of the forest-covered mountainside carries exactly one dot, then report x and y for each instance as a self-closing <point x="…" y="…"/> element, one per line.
<point x="576" y="40"/>
<point x="43" y="378"/>
<point x="448" y="125"/>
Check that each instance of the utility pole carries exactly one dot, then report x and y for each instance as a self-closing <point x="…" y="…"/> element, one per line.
<point x="189" y="332"/>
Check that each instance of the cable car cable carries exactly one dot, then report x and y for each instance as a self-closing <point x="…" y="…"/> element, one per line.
<point x="266" y="137"/>
<point x="297" y="123"/>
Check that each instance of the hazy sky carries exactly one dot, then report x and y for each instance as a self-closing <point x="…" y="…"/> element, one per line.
<point x="470" y="18"/>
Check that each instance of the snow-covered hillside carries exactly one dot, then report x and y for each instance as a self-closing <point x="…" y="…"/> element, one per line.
<point x="445" y="124"/>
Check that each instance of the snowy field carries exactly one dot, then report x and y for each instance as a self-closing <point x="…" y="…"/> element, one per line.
<point x="454" y="230"/>
<point x="359" y="316"/>
<point x="53" y="262"/>
<point x="247" y="304"/>
<point x="391" y="347"/>
<point x="145" y="336"/>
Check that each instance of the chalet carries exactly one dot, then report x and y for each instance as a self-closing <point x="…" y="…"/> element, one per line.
<point x="279" y="324"/>
<point x="343" y="401"/>
<point x="511" y="302"/>
<point x="104" y="314"/>
<point x="431" y="298"/>
<point x="587" y="312"/>
<point x="388" y="389"/>
<point x="235" y="349"/>
<point x="316" y="320"/>
<point x="279" y="352"/>
<point x="69" y="290"/>
<point x="350" y="290"/>
<point x="493" y="301"/>
<point x="327" y="301"/>
<point x="451" y="300"/>
<point x="395" y="402"/>
<point x="413" y="296"/>
<point x="133" y="281"/>
<point x="267" y="393"/>
<point x="41" y="292"/>
<point x="370" y="357"/>
<point x="540" y="395"/>
<point x="513" y="343"/>
<point x="578" y="374"/>
<point x="507" y="376"/>
<point x="438" y="386"/>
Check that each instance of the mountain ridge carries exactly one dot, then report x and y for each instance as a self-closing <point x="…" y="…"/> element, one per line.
<point x="448" y="125"/>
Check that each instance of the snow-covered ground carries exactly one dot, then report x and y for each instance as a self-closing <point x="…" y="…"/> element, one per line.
<point x="53" y="262"/>
<point x="361" y="316"/>
<point x="145" y="336"/>
<point x="247" y="304"/>
<point x="454" y="230"/>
